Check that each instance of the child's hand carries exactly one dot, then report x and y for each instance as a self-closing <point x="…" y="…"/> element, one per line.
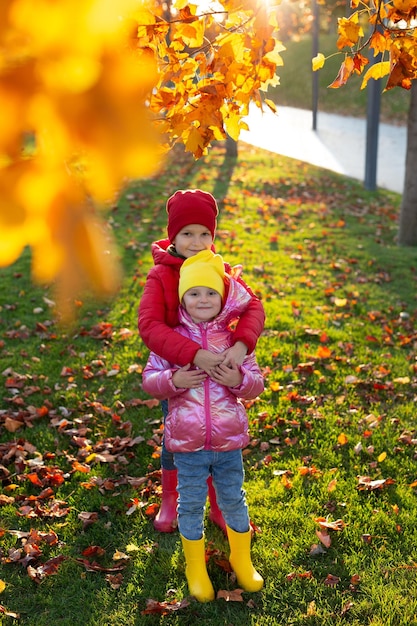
<point x="206" y="360"/>
<point x="227" y="375"/>
<point x="184" y="378"/>
<point x="236" y="354"/>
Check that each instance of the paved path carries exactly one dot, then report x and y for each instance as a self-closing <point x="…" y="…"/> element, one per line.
<point x="338" y="144"/>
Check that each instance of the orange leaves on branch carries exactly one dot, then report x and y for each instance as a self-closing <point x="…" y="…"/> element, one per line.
<point x="211" y="66"/>
<point x="392" y="27"/>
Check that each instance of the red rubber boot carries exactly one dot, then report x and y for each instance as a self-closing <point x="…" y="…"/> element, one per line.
<point x="215" y="514"/>
<point x="166" y="520"/>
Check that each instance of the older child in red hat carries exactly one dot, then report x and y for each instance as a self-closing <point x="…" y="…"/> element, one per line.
<point x="191" y="228"/>
<point x="207" y="426"/>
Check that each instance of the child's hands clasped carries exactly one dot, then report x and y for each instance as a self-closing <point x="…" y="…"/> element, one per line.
<point x="227" y="375"/>
<point x="235" y="354"/>
<point x="206" y="360"/>
<point x="184" y="378"/>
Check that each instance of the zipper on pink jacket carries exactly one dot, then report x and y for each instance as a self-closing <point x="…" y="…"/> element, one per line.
<point x="207" y="413"/>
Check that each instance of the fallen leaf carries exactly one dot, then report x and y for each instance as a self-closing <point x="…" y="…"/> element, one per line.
<point x="331" y="580"/>
<point x="230" y="596"/>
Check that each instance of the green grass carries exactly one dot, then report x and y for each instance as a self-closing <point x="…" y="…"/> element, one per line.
<point x="338" y="353"/>
<point x="295" y="87"/>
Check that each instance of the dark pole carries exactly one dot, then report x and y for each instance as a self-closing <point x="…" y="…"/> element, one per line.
<point x="372" y="130"/>
<point x="315" y="51"/>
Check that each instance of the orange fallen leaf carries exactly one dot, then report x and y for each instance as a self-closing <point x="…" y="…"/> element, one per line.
<point x="324" y="538"/>
<point x="230" y="596"/>
<point x="331" y="580"/>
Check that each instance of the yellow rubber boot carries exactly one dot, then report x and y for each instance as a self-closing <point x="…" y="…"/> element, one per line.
<point x="240" y="560"/>
<point x="199" y="583"/>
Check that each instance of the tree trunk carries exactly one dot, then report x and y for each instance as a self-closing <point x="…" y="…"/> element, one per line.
<point x="407" y="235"/>
<point x="231" y="147"/>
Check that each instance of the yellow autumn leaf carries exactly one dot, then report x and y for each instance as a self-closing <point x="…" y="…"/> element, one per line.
<point x="332" y="485"/>
<point x="318" y="61"/>
<point x="349" y="31"/>
<point x="271" y="104"/>
<point x="377" y="71"/>
<point x="194" y="142"/>
<point x="340" y="302"/>
<point x="2" y="585"/>
<point x="192" y="34"/>
<point x="342" y="439"/>
<point x="382" y="457"/>
<point x="232" y="126"/>
<point x="402" y="380"/>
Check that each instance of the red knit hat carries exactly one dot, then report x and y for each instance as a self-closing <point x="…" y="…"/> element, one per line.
<point x="191" y="206"/>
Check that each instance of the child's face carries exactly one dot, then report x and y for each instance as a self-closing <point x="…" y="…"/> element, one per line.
<point x="202" y="303"/>
<point x="192" y="239"/>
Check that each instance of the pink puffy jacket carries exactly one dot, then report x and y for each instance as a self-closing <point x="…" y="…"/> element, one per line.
<point x="210" y="417"/>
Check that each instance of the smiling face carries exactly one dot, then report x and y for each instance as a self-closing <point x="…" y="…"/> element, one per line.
<point x="202" y="303"/>
<point x="192" y="239"/>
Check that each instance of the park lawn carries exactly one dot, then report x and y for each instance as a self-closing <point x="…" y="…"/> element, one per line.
<point x="331" y="468"/>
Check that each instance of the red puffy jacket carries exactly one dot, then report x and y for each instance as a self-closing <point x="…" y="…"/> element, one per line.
<point x="158" y="311"/>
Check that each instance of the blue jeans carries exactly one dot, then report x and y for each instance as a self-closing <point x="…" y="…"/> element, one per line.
<point x="227" y="470"/>
<point x="167" y="458"/>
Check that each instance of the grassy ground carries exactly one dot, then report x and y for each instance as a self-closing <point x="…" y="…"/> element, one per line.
<point x="330" y="471"/>
<point x="295" y="87"/>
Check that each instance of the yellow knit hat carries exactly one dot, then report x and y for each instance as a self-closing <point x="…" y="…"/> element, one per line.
<point x="204" y="269"/>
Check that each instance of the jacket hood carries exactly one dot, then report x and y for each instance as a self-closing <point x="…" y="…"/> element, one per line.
<point x="160" y="254"/>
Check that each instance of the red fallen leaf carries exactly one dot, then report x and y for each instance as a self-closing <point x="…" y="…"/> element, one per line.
<point x="137" y="401"/>
<point x="15" y="382"/>
<point x="98" y="550"/>
<point x="115" y="580"/>
<point x="42" y="411"/>
<point x="93" y="566"/>
<point x="324" y="537"/>
<point x="224" y="564"/>
<point x="88" y="518"/>
<point x="230" y="596"/>
<point x="331" y="581"/>
<point x="50" y="537"/>
<point x="47" y="569"/>
<point x="151" y="510"/>
<point x="293" y="575"/>
<point x="35" y="480"/>
<point x="67" y="371"/>
<point x="164" y="608"/>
